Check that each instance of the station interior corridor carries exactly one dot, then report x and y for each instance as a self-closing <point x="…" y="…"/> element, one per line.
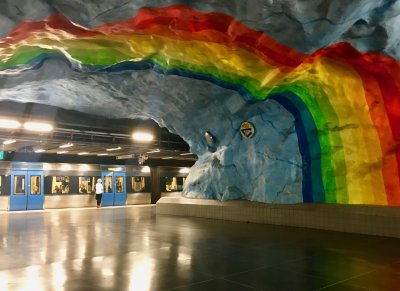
<point x="132" y="248"/>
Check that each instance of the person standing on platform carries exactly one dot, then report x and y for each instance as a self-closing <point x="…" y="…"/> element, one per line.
<point x="99" y="192"/>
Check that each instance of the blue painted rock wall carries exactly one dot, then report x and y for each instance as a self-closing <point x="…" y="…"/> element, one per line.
<point x="266" y="168"/>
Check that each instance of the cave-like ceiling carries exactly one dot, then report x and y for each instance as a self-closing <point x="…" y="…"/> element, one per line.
<point x="316" y="83"/>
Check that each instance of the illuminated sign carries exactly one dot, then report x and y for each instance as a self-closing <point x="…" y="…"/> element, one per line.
<point x="115" y="169"/>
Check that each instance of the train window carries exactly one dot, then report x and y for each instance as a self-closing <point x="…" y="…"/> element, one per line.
<point x="35" y="185"/>
<point x="86" y="185"/>
<point x="170" y="184"/>
<point x="138" y="184"/>
<point x="174" y="184"/>
<point x="60" y="185"/>
<point x="19" y="184"/>
<point x="119" y="184"/>
<point x="108" y="184"/>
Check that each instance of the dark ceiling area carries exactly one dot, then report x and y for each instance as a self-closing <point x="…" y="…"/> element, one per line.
<point x="95" y="139"/>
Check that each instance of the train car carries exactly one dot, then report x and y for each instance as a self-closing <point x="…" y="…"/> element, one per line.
<point x="34" y="186"/>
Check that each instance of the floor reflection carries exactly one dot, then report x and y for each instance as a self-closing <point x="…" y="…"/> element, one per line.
<point x="130" y="248"/>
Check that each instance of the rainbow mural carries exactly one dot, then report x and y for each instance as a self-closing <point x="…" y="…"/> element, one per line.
<point x="346" y="103"/>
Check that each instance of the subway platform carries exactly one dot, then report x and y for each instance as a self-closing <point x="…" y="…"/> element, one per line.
<point x="132" y="248"/>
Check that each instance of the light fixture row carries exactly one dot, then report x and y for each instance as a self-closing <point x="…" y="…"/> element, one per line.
<point x="82" y="153"/>
<point x="28" y="125"/>
<point x="47" y="127"/>
<point x="65" y="152"/>
<point x="67" y="145"/>
<point x="10" y="141"/>
<point x="83" y="167"/>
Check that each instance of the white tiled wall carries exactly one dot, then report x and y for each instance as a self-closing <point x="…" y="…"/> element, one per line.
<point x="364" y="219"/>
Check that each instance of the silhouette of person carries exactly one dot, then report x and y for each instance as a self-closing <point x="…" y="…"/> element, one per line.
<point x="99" y="192"/>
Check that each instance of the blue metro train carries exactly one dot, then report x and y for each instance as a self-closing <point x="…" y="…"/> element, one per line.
<point x="32" y="186"/>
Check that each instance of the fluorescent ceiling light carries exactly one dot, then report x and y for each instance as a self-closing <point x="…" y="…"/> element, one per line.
<point x="142" y="136"/>
<point x="83" y="153"/>
<point x="9" y="141"/>
<point x="184" y="170"/>
<point x="9" y="123"/>
<point x="103" y="154"/>
<point x="40" y="151"/>
<point x="62" y="152"/>
<point x="155" y="151"/>
<point x="65" y="167"/>
<point x="66" y="145"/>
<point x="113" y="149"/>
<point x="145" y="169"/>
<point x="185" y="154"/>
<point x="38" y="126"/>
<point x="167" y="158"/>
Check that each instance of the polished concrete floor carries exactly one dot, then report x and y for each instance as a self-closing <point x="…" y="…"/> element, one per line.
<point x="130" y="248"/>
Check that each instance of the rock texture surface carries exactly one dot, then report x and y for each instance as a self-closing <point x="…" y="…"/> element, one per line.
<point x="369" y="25"/>
<point x="239" y="168"/>
<point x="265" y="168"/>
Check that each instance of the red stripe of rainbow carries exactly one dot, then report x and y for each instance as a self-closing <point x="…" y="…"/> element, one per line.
<point x="347" y="103"/>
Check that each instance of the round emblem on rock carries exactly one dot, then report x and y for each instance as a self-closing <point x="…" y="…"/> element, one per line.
<point x="247" y="129"/>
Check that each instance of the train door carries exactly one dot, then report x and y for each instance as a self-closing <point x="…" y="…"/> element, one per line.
<point x="108" y="194"/>
<point x="120" y="189"/>
<point x="26" y="190"/>
<point x="114" y="188"/>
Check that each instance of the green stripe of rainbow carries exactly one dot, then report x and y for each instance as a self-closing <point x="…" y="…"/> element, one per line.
<point x="348" y="102"/>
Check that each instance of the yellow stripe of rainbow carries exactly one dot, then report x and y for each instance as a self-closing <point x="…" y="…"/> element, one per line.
<point x="348" y="148"/>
